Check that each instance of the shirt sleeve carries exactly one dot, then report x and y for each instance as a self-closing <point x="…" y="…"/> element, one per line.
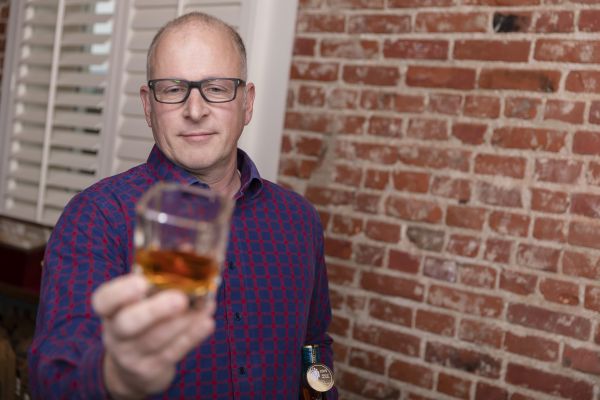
<point x="319" y="316"/>
<point x="65" y="358"/>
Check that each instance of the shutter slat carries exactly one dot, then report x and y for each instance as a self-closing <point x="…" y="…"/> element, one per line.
<point x="79" y="100"/>
<point x="29" y="154"/>
<point x="78" y="18"/>
<point x="79" y="120"/>
<point x="70" y="180"/>
<point x="69" y="59"/>
<point x="57" y="198"/>
<point x="26" y="173"/>
<point x="80" y="39"/>
<point x="135" y="149"/>
<point x="66" y="159"/>
<point x="135" y="128"/>
<point x="24" y="192"/>
<point x="75" y="140"/>
<point x="81" y="80"/>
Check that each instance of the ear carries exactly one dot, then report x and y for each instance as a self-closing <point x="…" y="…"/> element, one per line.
<point x="249" y="103"/>
<point x="146" y="103"/>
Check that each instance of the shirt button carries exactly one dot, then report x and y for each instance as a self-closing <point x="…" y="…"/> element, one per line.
<point x="237" y="316"/>
<point x="242" y="371"/>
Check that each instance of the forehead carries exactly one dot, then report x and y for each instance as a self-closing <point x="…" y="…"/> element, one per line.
<point x="196" y="49"/>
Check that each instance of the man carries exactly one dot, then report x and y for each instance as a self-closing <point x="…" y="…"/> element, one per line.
<point x="101" y="335"/>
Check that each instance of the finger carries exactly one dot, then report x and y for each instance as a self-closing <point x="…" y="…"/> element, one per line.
<point x="200" y="327"/>
<point x="139" y="317"/>
<point x="109" y="297"/>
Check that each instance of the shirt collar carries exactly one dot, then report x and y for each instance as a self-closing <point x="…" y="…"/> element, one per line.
<point x="166" y="170"/>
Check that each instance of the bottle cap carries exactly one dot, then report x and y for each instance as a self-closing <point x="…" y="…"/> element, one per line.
<point x="319" y="377"/>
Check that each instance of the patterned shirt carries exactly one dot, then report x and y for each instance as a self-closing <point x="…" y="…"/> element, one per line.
<point x="273" y="297"/>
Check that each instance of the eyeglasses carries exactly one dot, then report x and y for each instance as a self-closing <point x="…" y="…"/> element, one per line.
<point x="214" y="90"/>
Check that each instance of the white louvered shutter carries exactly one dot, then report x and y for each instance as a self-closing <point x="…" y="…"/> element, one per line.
<point x="53" y="124"/>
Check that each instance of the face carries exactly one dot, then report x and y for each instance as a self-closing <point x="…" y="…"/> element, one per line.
<point x="199" y="136"/>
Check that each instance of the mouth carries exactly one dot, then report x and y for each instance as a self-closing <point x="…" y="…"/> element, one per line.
<point x="197" y="136"/>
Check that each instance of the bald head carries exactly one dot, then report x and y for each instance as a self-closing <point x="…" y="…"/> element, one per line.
<point x="200" y="20"/>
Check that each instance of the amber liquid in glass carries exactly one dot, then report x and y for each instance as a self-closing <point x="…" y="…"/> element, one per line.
<point x="192" y="273"/>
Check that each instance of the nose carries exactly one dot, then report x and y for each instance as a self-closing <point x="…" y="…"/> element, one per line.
<point x="195" y="105"/>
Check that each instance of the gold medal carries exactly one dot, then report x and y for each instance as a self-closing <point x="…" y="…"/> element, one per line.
<point x="319" y="377"/>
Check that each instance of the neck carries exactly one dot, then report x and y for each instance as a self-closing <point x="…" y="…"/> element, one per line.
<point x="227" y="184"/>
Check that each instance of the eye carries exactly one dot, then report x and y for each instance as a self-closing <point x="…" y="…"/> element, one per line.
<point x="173" y="89"/>
<point x="215" y="88"/>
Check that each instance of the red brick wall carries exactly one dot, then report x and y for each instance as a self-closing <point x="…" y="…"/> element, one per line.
<point x="451" y="147"/>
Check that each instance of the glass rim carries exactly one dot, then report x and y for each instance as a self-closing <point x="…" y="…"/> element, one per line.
<point x="196" y="84"/>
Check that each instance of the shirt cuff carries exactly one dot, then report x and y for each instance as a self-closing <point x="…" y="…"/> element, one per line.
<point x="92" y="374"/>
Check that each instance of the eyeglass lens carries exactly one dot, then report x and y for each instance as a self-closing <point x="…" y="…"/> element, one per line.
<point x="213" y="90"/>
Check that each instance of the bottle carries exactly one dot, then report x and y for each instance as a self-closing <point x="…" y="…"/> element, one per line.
<point x="317" y="378"/>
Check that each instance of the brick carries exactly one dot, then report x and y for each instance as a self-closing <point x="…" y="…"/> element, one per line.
<point x="310" y="4"/>
<point x="339" y="325"/>
<point x="323" y="196"/>
<point x="377" y="179"/>
<point x="414" y="374"/>
<point x="384" y="101"/>
<point x="465" y="302"/>
<point x="550" y="229"/>
<point x="538" y="257"/>
<point x="565" y="111"/>
<point x="346" y="225"/>
<point x="353" y="4"/>
<point x="470" y="361"/>
<point x="480" y="333"/>
<point x="518" y="282"/>
<point x="570" y="51"/>
<point x="549" y="321"/>
<point x="531" y="346"/>
<point x="549" y="383"/>
<point x="365" y="254"/>
<point x="314" y="71"/>
<point x="592" y="298"/>
<point x="367" y="203"/>
<point x="589" y="21"/>
<point x="463" y="245"/>
<point x="427" y="129"/>
<point x="297" y="168"/>
<point x="307" y="145"/>
<point x="349" y="175"/>
<point x="383" y="231"/>
<point x="385" y="126"/>
<point x="451" y="22"/>
<point x="482" y="106"/>
<point x="437" y="323"/>
<point x="348" y="124"/>
<point x="586" y="142"/>
<point x="338" y="248"/>
<point x="440" y="269"/>
<point x="305" y="121"/>
<point x="466" y="217"/>
<point x="311" y="96"/>
<point x="522" y="107"/>
<point x="585" y="265"/>
<point x="343" y="99"/>
<point x="442" y="103"/>
<point x="425" y="239"/>
<point x="557" y="171"/>
<point x="349" y="48"/>
<point x="485" y="391"/>
<point x="510" y="224"/>
<point x="584" y="234"/>
<point x="379" y="23"/>
<point x="390" y="312"/>
<point x="477" y="276"/>
<point x="403" y="261"/>
<point x="499" y="196"/>
<point x="497" y="250"/>
<point x="469" y="133"/>
<point x="336" y="299"/>
<point x="320" y="23"/>
<point x="432" y="157"/>
<point x="387" y="338"/>
<point x="365" y="387"/>
<point x="585" y="204"/>
<point x="492" y="164"/>
<point x="416" y="182"/>
<point x="560" y="292"/>
<point x="441" y="77"/>
<point x="340" y="274"/>
<point x="413" y="210"/>
<point x="453" y="188"/>
<point x="453" y="386"/>
<point x="555" y="22"/>
<point x="582" y="359"/>
<point x="304" y="46"/>
<point x="419" y="3"/>
<point x="371" y="75"/>
<point x="492" y="50"/>
<point x="587" y="81"/>
<point x="367" y="360"/>
<point x="529" y="139"/>
<point x="416" y="49"/>
<point x="388" y="285"/>
<point x="549" y="201"/>
<point x="593" y="173"/>
<point x="520" y="396"/>
<point x="379" y="153"/>
<point x="544" y="81"/>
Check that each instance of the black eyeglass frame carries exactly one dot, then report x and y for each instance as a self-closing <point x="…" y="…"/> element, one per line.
<point x="196" y="84"/>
